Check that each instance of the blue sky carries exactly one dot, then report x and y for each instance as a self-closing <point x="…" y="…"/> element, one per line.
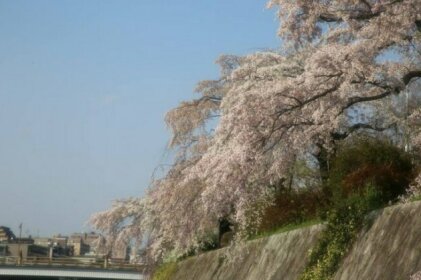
<point x="84" y="87"/>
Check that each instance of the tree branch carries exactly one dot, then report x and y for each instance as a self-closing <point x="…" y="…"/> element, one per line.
<point x="359" y="99"/>
<point x="412" y="74"/>
<point x="302" y="103"/>
<point x="364" y="15"/>
<point x="355" y="127"/>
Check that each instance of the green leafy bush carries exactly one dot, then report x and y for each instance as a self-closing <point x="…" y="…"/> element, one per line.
<point x="363" y="162"/>
<point x="358" y="163"/>
<point x="209" y="242"/>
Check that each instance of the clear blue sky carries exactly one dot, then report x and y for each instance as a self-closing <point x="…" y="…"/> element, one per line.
<point x="84" y="87"/>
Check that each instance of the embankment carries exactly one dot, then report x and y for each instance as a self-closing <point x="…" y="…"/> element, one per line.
<point x="280" y="256"/>
<point x="388" y="249"/>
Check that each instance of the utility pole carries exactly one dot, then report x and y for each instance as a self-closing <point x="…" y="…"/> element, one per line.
<point x="19" y="249"/>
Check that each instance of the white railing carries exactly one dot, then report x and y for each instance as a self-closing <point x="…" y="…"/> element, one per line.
<point x="92" y="263"/>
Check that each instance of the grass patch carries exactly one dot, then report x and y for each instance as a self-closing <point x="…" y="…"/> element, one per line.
<point x="416" y="198"/>
<point x="165" y="271"/>
<point x="286" y="228"/>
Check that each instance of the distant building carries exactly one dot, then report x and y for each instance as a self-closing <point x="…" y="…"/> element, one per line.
<point x="59" y="241"/>
<point x="43" y="241"/>
<point x="6" y="234"/>
<point x="77" y="244"/>
<point x="84" y="243"/>
<point x="78" y="248"/>
<point x="24" y="250"/>
<point x="91" y="239"/>
<point x="15" y="247"/>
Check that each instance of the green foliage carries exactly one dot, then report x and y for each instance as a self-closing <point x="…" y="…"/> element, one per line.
<point x="362" y="162"/>
<point x="365" y="174"/>
<point x="165" y="271"/>
<point x="358" y="163"/>
<point x="344" y="222"/>
<point x="208" y="242"/>
<point x="416" y="198"/>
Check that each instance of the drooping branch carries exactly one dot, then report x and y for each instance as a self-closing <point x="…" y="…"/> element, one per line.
<point x="359" y="15"/>
<point x="360" y="99"/>
<point x="410" y="75"/>
<point x="308" y="101"/>
<point x="342" y="135"/>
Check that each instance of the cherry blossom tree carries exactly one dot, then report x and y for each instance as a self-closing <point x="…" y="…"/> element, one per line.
<point x="272" y="108"/>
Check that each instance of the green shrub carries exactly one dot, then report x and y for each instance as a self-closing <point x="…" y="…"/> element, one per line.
<point x="208" y="242"/>
<point x="363" y="162"/>
<point x="358" y="163"/>
<point x="165" y="271"/>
